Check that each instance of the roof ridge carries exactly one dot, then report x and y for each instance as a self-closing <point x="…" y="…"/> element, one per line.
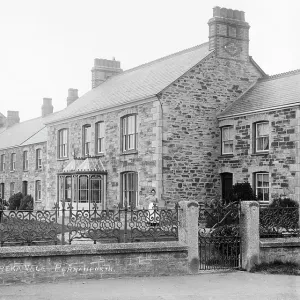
<point x="279" y="75"/>
<point x="159" y="59"/>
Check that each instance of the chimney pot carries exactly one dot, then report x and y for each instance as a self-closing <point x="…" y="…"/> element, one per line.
<point x="217" y="11"/>
<point x="103" y="69"/>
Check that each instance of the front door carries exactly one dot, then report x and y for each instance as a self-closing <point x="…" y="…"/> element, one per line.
<point x="226" y="185"/>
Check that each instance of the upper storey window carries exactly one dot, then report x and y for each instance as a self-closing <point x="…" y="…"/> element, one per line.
<point x="38" y="158"/>
<point x="87" y="137"/>
<point x="25" y="160"/>
<point x="261" y="137"/>
<point x="63" y="143"/>
<point x="13" y="161"/>
<point x="129" y="133"/>
<point x="227" y="140"/>
<point x="2" y="162"/>
<point x="99" y="137"/>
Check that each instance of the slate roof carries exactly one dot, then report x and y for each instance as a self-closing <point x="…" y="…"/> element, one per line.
<point x="19" y="133"/>
<point x="25" y="133"/>
<point x="138" y="83"/>
<point x="274" y="91"/>
<point x="84" y="165"/>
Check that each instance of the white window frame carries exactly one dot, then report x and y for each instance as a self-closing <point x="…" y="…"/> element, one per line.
<point x="129" y="190"/>
<point x="262" y="187"/>
<point x="100" y="135"/>
<point x="11" y="188"/>
<point x="63" y="139"/>
<point x="2" y="189"/>
<point x="38" y="153"/>
<point x="129" y="133"/>
<point x="87" y="138"/>
<point x="2" y="162"/>
<point x="25" y="160"/>
<point x="38" y="190"/>
<point x="228" y="141"/>
<point x="264" y="137"/>
<point x="13" y="161"/>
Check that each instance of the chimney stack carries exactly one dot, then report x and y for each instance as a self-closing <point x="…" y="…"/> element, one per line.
<point x="47" y="107"/>
<point x="229" y="34"/>
<point x="72" y="96"/>
<point x="103" y="69"/>
<point x="12" y="118"/>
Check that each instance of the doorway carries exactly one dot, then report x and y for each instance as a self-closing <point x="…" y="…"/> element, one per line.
<point x="25" y="188"/>
<point x="226" y="180"/>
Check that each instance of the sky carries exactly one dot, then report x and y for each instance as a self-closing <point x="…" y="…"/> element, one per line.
<point x="49" y="46"/>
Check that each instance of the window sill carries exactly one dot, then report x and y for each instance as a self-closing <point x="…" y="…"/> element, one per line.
<point x="25" y="170"/>
<point x="63" y="158"/>
<point x="226" y="155"/>
<point x="129" y="152"/>
<point x="12" y="171"/>
<point x="100" y="154"/>
<point x="260" y="153"/>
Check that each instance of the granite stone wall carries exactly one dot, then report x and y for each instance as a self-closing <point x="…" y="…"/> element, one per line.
<point x="144" y="161"/>
<point x="283" y="250"/>
<point x="191" y="134"/>
<point x="37" y="264"/>
<point x="31" y="175"/>
<point x="281" y="161"/>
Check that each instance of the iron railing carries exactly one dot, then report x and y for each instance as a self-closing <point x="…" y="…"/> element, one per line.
<point x="278" y="222"/>
<point x="64" y="225"/>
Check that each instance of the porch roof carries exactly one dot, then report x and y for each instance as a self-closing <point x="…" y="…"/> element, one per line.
<point x="82" y="165"/>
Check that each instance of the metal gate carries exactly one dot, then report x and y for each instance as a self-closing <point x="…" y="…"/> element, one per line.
<point x="219" y="236"/>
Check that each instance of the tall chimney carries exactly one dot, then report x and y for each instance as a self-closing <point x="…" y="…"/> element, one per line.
<point x="12" y="118"/>
<point x="229" y="34"/>
<point x="72" y="96"/>
<point x="47" y="107"/>
<point x="103" y="69"/>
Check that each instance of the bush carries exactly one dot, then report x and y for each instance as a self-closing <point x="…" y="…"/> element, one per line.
<point x="284" y="202"/>
<point x="15" y="201"/>
<point x="26" y="203"/>
<point x="241" y="192"/>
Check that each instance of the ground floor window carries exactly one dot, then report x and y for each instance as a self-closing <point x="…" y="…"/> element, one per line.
<point x="82" y="189"/>
<point x="2" y="190"/>
<point x="38" y="190"/>
<point x="129" y="184"/>
<point x="12" y="188"/>
<point x="262" y="186"/>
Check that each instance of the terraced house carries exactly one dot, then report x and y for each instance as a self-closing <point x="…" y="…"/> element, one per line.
<point x="188" y="125"/>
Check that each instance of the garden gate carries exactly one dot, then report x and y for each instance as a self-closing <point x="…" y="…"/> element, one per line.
<point x="219" y="236"/>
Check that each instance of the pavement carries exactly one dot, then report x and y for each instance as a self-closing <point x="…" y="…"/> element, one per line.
<point x="207" y="285"/>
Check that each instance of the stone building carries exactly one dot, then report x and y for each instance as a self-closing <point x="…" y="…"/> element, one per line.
<point x="179" y="125"/>
<point x="23" y="156"/>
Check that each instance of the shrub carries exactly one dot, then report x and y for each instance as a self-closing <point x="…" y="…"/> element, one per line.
<point x="241" y="192"/>
<point x="14" y="201"/>
<point x="26" y="203"/>
<point x="284" y="202"/>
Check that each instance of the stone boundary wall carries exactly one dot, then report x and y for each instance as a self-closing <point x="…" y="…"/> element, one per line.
<point x="280" y="249"/>
<point x="36" y="264"/>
